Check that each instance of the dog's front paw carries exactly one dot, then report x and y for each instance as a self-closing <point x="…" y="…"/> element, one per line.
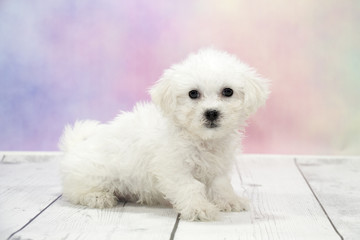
<point x="204" y="211"/>
<point x="99" y="200"/>
<point x="236" y="204"/>
<point x="240" y="204"/>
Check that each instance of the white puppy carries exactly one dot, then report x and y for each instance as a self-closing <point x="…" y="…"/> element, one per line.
<point x="176" y="150"/>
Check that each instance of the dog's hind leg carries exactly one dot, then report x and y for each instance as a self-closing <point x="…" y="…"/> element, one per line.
<point x="99" y="199"/>
<point x="92" y="196"/>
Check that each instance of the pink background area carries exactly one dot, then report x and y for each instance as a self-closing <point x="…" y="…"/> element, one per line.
<point x="67" y="60"/>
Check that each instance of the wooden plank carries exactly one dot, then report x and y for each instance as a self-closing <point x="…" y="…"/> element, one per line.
<point x="66" y="221"/>
<point x="336" y="183"/>
<point x="283" y="206"/>
<point x="63" y="220"/>
<point x="27" y="185"/>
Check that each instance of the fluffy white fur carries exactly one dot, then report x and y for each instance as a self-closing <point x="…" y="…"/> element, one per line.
<point x="166" y="151"/>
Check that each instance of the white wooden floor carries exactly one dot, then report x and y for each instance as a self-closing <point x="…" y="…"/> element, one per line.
<point x="292" y="198"/>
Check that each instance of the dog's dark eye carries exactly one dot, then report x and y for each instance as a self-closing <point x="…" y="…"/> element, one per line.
<point x="227" y="92"/>
<point x="193" y="94"/>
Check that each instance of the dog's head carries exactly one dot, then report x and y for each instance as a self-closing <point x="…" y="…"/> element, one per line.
<point x="210" y="94"/>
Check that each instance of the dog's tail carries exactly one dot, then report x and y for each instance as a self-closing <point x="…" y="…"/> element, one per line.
<point x="73" y="136"/>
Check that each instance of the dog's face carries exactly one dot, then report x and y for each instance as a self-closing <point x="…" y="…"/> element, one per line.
<point x="210" y="94"/>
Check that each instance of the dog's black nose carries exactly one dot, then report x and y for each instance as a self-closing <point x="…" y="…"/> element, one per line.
<point x="211" y="115"/>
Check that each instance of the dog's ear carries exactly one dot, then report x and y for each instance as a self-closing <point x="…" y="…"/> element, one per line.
<point x="161" y="93"/>
<point x="256" y="92"/>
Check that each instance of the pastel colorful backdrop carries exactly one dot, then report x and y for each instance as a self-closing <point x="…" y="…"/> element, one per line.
<point x="63" y="60"/>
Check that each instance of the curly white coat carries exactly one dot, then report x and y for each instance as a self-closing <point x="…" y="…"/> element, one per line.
<point x="164" y="152"/>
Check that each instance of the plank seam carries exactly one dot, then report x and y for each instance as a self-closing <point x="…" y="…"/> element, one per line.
<point x="31" y="220"/>
<point x="317" y="199"/>
<point x="239" y="175"/>
<point x="172" y="236"/>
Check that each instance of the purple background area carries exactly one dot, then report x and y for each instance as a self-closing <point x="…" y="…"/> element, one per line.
<point x="67" y="60"/>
